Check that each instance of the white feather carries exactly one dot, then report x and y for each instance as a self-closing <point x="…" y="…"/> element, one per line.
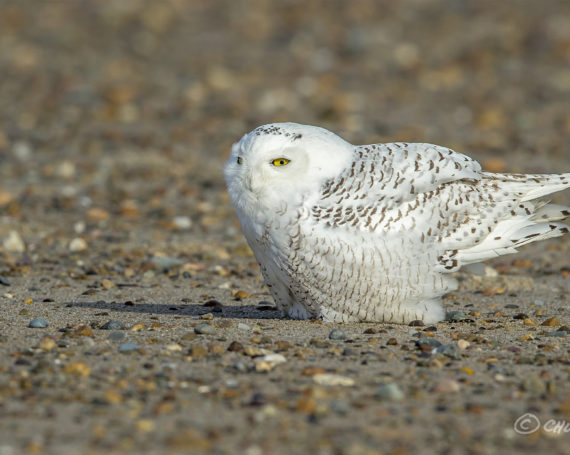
<point x="370" y="233"/>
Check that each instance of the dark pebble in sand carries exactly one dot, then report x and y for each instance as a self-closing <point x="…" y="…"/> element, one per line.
<point x="416" y="323"/>
<point x="235" y="346"/>
<point x="4" y="281"/>
<point x="113" y="325"/>
<point x="431" y="342"/>
<point x="214" y="305"/>
<point x="38" y="323"/>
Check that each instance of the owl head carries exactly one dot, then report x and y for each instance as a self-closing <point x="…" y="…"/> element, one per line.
<point x="284" y="161"/>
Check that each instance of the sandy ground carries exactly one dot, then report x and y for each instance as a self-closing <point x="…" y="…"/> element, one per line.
<point x="115" y="120"/>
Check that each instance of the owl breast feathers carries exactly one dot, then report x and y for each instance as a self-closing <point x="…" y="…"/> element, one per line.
<point x="373" y="232"/>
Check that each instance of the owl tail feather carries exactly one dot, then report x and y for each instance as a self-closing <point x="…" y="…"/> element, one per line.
<point x="510" y="235"/>
<point x="541" y="223"/>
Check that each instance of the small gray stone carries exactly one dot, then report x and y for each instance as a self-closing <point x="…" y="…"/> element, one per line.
<point x="128" y="347"/>
<point x="204" y="329"/>
<point x="116" y="336"/>
<point x="4" y="281"/>
<point x="389" y="391"/>
<point x="432" y="342"/>
<point x="38" y="323"/>
<point x="166" y="263"/>
<point x="113" y="325"/>
<point x="337" y="334"/>
<point x="455" y="316"/>
<point x="449" y="350"/>
<point x="340" y="407"/>
<point x="240" y="366"/>
<point x="539" y="303"/>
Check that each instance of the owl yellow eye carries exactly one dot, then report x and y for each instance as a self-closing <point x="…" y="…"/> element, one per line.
<point x="280" y="162"/>
<point x="239" y="160"/>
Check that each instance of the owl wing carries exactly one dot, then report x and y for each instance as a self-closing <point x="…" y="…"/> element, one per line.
<point x="387" y="181"/>
<point x="443" y="199"/>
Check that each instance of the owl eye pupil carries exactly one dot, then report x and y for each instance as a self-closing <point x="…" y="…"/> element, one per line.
<point x="280" y="162"/>
<point x="239" y="160"/>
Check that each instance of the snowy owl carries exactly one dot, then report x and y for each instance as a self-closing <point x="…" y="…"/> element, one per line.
<point x="372" y="232"/>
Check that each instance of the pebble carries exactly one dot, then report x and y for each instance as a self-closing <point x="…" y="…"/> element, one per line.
<point x="449" y="350"/>
<point x="337" y="334"/>
<point x="539" y="302"/>
<point x="455" y="316"/>
<point x="182" y="222"/>
<point x="340" y="407"/>
<point x="205" y="329"/>
<point x="240" y="366"/>
<point x="551" y="322"/>
<point x="4" y="281"/>
<point x="116" y="336"/>
<point x="557" y="333"/>
<point x="534" y="385"/>
<point x="268" y="362"/>
<point x="330" y="379"/>
<point x="166" y="263"/>
<point x="77" y="244"/>
<point x="214" y="305"/>
<point x="235" y="346"/>
<point x="14" y="243"/>
<point x="128" y="347"/>
<point x="389" y="391"/>
<point x="416" y="323"/>
<point x="242" y="326"/>
<point x="47" y="343"/>
<point x="447" y="386"/>
<point x="113" y="325"/>
<point x="430" y="342"/>
<point x="38" y="323"/>
<point x="463" y="344"/>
